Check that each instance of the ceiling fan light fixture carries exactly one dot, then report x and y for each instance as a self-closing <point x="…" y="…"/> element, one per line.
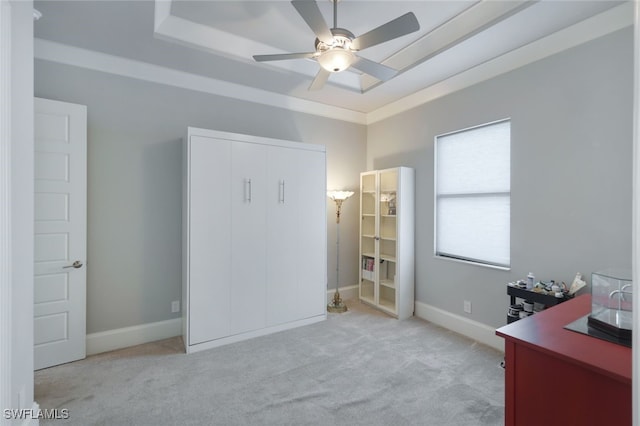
<point x="335" y="46"/>
<point x="336" y="59"/>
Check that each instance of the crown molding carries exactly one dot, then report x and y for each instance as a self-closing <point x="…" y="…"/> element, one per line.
<point x="69" y="55"/>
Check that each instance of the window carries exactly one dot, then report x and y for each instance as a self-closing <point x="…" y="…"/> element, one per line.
<point x="473" y="194"/>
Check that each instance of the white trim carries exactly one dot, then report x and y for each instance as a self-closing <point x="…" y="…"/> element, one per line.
<point x="635" y="233"/>
<point x="256" y="333"/>
<point x="600" y="25"/>
<point x="457" y="29"/>
<point x="161" y="12"/>
<point x="471" y="329"/>
<point x="83" y="58"/>
<point x="6" y="330"/>
<point x="130" y="336"/>
<point x="347" y="293"/>
<point x="34" y="421"/>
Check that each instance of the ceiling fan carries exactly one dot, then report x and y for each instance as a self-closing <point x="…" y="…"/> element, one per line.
<point x="336" y="47"/>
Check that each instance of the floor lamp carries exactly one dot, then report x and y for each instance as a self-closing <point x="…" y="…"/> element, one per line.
<point x="339" y="197"/>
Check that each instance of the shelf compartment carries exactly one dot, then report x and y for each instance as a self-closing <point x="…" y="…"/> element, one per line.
<point x="368" y="200"/>
<point x="368" y="225"/>
<point x="367" y="245"/>
<point x="388" y="283"/>
<point x="387" y="277"/>
<point x="387" y="298"/>
<point x="367" y="291"/>
<point x="368" y="182"/>
<point x="388" y="227"/>
<point x="368" y="268"/>
<point x="389" y="181"/>
<point x="387" y="249"/>
<point x="388" y="203"/>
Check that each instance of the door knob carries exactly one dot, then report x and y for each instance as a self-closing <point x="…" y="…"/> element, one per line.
<point x="77" y="264"/>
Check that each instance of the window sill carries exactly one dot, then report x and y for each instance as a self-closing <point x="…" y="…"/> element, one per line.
<point x="469" y="262"/>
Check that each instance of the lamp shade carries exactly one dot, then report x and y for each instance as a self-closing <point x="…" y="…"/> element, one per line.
<point x="339" y="195"/>
<point x="336" y="59"/>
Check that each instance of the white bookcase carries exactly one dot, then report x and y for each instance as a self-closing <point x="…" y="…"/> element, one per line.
<point x="254" y="237"/>
<point x="387" y="240"/>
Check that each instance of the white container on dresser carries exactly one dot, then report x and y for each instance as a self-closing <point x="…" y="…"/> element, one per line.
<point x="387" y="240"/>
<point x="254" y="237"/>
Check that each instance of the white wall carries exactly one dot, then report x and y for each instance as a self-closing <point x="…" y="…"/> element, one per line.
<point x="636" y="216"/>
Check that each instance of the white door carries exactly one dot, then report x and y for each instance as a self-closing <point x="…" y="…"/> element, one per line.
<point x="60" y="232"/>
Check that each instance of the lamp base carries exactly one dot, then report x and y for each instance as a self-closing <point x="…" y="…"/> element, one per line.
<point x="336" y="306"/>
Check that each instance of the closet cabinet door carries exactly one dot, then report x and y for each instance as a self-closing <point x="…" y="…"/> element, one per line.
<point x="248" y="231"/>
<point x="209" y="261"/>
<point x="254" y="237"/>
<point x="282" y="234"/>
<point x="312" y="234"/>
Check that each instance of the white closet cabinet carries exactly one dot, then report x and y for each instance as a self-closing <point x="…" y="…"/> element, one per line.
<point x="387" y="240"/>
<point x="254" y="237"/>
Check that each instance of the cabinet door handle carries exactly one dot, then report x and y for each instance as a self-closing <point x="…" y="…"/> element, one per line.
<point x="281" y="198"/>
<point x="247" y="190"/>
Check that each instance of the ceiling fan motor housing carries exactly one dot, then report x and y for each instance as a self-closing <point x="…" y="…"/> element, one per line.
<point x="338" y="55"/>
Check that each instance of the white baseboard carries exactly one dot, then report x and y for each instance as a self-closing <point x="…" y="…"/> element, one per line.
<point x="130" y="336"/>
<point x="346" y="293"/>
<point x="471" y="329"/>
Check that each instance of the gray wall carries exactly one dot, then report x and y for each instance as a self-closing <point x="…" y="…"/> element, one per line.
<point x="134" y="182"/>
<point x="571" y="176"/>
<point x="571" y="152"/>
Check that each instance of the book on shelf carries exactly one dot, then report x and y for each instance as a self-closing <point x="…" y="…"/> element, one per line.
<point x="368" y="264"/>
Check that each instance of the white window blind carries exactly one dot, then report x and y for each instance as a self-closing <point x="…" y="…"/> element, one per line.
<point x="473" y="194"/>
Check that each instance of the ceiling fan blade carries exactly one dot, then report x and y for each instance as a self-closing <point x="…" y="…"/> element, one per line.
<point x="379" y="71"/>
<point x="313" y="17"/>
<point x="320" y="80"/>
<point x="398" y="27"/>
<point x="283" y="56"/>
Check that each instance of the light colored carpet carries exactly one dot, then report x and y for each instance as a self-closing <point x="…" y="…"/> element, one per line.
<point x="357" y="368"/>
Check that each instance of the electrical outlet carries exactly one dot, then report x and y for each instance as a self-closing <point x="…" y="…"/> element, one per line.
<point x="175" y="306"/>
<point x="467" y="306"/>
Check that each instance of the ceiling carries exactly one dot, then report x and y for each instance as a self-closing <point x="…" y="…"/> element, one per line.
<point x="459" y="41"/>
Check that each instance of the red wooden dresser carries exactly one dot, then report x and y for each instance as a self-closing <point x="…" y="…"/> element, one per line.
<point x="556" y="376"/>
